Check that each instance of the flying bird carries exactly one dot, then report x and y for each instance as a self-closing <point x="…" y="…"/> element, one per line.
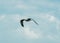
<point x="27" y="20"/>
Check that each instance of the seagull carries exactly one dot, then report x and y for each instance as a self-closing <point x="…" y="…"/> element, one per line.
<point x="27" y="20"/>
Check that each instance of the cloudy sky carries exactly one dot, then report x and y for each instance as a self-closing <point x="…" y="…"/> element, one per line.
<point x="45" y="12"/>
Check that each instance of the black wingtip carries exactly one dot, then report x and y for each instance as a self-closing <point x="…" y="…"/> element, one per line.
<point x="21" y="22"/>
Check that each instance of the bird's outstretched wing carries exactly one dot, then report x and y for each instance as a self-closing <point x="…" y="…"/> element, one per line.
<point x="35" y="22"/>
<point x="21" y="22"/>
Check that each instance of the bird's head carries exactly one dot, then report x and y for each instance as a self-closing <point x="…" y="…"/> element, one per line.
<point x="29" y="19"/>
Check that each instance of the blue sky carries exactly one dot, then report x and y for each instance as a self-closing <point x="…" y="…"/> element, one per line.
<point x="45" y="12"/>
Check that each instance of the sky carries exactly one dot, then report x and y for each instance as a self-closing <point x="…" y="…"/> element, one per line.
<point x="45" y="12"/>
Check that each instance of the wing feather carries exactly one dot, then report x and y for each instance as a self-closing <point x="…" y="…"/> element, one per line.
<point x="22" y="22"/>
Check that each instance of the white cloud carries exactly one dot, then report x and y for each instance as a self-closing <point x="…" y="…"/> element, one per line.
<point x="21" y="6"/>
<point x="25" y="7"/>
<point x="53" y="37"/>
<point x="2" y="17"/>
<point x="17" y="17"/>
<point x="31" y="34"/>
<point x="48" y="17"/>
<point x="51" y="18"/>
<point x="58" y="26"/>
<point x="50" y="37"/>
<point x="43" y="3"/>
